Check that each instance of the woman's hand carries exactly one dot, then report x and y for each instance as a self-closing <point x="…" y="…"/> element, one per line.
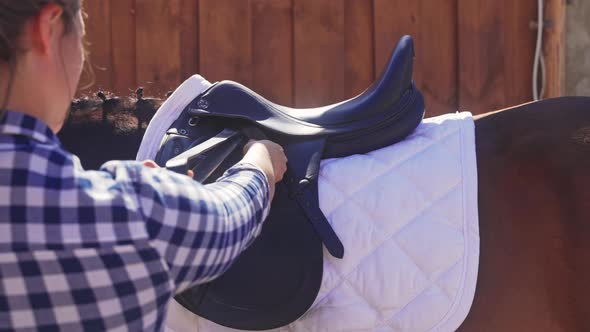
<point x="270" y="157"/>
<point x="152" y="164"/>
<point x="265" y="154"/>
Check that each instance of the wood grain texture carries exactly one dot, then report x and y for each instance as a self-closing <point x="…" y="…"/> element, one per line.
<point x="98" y="36"/>
<point x="482" y="45"/>
<point x="391" y="24"/>
<point x="433" y="27"/>
<point x="554" y="48"/>
<point x="319" y="52"/>
<point x="519" y="41"/>
<point x="272" y="49"/>
<point x="225" y="36"/>
<point x="124" y="76"/>
<point x="358" y="46"/>
<point x="436" y="62"/>
<point x="473" y="55"/>
<point x="158" y="45"/>
<point x="189" y="38"/>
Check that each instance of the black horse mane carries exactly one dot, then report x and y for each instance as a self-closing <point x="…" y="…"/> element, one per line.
<point x="103" y="126"/>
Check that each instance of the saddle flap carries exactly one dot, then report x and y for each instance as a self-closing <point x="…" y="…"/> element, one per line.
<point x="275" y="280"/>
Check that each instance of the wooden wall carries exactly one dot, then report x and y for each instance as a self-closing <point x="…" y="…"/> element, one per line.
<point x="473" y="55"/>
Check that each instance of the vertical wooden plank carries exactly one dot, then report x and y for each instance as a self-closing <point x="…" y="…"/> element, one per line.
<point x="519" y="50"/>
<point x="433" y="25"/>
<point x="436" y="56"/>
<point x="554" y="48"/>
<point x="358" y="45"/>
<point x="272" y="40"/>
<point x="124" y="77"/>
<point x="319" y="52"/>
<point x="481" y="55"/>
<point x="189" y="36"/>
<point x="225" y="40"/>
<point x="158" y="45"/>
<point x="393" y="19"/>
<point x="98" y="27"/>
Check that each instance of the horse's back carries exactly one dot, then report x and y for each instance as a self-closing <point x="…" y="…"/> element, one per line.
<point x="534" y="203"/>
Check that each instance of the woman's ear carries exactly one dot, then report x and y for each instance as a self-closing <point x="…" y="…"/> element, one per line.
<point x="46" y="29"/>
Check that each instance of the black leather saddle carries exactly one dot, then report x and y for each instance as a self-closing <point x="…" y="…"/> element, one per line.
<point x="276" y="280"/>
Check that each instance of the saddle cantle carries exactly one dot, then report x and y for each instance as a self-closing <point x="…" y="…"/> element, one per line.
<point x="278" y="277"/>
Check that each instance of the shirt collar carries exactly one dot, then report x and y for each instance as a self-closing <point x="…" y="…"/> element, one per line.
<point x="20" y="124"/>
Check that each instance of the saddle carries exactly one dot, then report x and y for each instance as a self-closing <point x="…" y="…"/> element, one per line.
<point x="276" y="280"/>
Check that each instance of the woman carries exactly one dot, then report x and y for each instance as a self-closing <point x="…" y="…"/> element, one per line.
<point x="108" y="249"/>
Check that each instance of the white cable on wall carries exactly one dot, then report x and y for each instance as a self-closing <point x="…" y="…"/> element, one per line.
<point x="539" y="63"/>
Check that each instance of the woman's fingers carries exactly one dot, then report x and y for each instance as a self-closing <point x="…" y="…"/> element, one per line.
<point x="150" y="164"/>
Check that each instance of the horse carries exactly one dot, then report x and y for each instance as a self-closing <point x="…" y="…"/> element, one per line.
<point x="533" y="198"/>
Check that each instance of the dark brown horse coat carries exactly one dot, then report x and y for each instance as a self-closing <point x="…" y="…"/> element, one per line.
<point x="534" y="203"/>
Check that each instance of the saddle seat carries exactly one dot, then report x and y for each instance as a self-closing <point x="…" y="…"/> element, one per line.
<point x="278" y="277"/>
<point x="387" y="100"/>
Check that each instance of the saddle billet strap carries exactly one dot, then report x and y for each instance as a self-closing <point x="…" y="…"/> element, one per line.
<point x="302" y="182"/>
<point x="207" y="156"/>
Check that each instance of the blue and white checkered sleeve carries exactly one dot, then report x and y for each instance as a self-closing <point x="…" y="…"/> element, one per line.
<point x="198" y="229"/>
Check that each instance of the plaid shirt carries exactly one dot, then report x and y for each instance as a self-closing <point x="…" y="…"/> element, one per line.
<point x="107" y="250"/>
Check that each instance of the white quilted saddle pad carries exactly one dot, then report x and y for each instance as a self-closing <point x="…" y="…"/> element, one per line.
<point x="407" y="216"/>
